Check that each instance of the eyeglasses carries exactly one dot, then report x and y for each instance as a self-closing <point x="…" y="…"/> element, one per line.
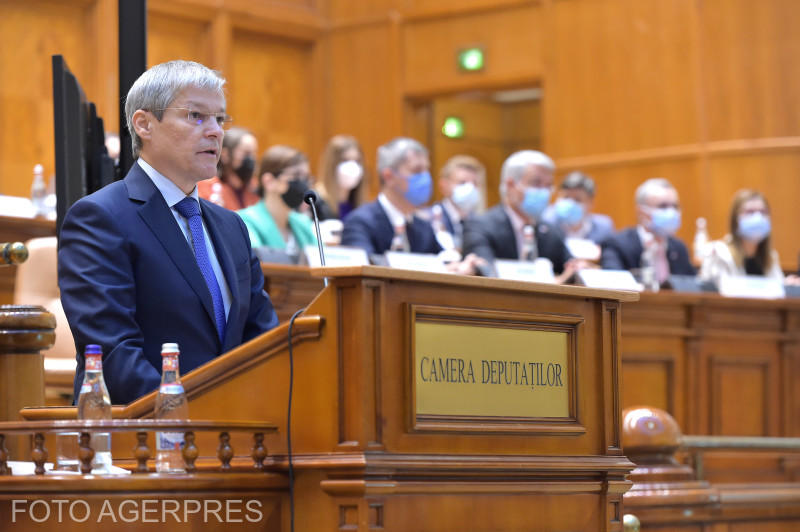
<point x="202" y="119"/>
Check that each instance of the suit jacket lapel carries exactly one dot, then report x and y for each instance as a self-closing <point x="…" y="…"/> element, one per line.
<point x="380" y="217"/>
<point x="157" y="216"/>
<point x="636" y="248"/>
<point x="505" y="232"/>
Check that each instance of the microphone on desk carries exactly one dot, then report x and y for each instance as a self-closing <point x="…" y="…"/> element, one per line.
<point x="311" y="198"/>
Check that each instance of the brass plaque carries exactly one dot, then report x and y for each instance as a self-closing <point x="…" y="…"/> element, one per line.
<point x="483" y="371"/>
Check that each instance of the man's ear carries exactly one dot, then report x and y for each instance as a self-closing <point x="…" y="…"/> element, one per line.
<point x="386" y="176"/>
<point x="142" y="123"/>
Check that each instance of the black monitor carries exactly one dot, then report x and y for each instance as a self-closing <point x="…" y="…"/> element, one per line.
<point x="82" y="161"/>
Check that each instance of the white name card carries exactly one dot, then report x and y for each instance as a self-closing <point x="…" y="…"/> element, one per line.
<point x="754" y="286"/>
<point x="421" y="262"/>
<point x="582" y="248"/>
<point x="336" y="256"/>
<point x="537" y="271"/>
<point x="611" y="279"/>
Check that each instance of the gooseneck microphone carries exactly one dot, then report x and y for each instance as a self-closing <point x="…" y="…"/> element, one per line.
<point x="311" y="198"/>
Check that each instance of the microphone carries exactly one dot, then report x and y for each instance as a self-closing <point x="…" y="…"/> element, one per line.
<point x="311" y="198"/>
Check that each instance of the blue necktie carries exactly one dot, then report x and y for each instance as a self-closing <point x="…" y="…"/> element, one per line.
<point x="190" y="209"/>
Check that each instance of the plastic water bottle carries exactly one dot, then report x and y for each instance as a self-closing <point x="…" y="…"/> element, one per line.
<point x="443" y="236"/>
<point x="95" y="403"/>
<point x="700" y="241"/>
<point x="170" y="404"/>
<point x="39" y="192"/>
<point x="529" y="247"/>
<point x="647" y="269"/>
<point x="400" y="239"/>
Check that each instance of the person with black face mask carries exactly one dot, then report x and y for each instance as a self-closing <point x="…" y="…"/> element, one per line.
<point x="274" y="221"/>
<point x="232" y="188"/>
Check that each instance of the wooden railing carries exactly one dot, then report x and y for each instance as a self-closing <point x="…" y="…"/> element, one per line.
<point x="142" y="452"/>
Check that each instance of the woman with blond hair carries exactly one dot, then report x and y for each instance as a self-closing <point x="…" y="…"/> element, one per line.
<point x="341" y="179"/>
<point x="747" y="249"/>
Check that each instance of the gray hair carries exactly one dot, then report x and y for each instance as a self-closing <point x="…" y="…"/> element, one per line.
<point x="393" y="153"/>
<point x="650" y="187"/>
<point x="158" y="87"/>
<point x="578" y="180"/>
<point x="514" y="167"/>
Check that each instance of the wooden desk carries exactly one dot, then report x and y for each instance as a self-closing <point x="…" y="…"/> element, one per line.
<point x="367" y="458"/>
<point x="720" y="366"/>
<point x="13" y="229"/>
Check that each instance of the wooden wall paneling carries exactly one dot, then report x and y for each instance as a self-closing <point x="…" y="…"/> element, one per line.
<point x="170" y="37"/>
<point x="523" y="125"/>
<point x="621" y="77"/>
<point x="653" y="374"/>
<point x="790" y="370"/>
<point x="774" y="173"/>
<point x="270" y="88"/>
<point x="484" y="137"/>
<point x="349" y="12"/>
<point x="429" y="9"/>
<point x="750" y="88"/>
<point x="219" y="35"/>
<point x="105" y="53"/>
<point x="743" y="388"/>
<point x="362" y="97"/>
<point x="32" y="32"/>
<point x="512" y="38"/>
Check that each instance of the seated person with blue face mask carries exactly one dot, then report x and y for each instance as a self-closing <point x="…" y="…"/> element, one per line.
<point x="461" y="180"/>
<point x="659" y="216"/>
<point x="747" y="249"/>
<point x="390" y="223"/>
<point x="572" y="211"/>
<point x="526" y="182"/>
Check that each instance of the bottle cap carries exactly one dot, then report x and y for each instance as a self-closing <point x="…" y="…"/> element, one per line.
<point x="169" y="349"/>
<point x="93" y="349"/>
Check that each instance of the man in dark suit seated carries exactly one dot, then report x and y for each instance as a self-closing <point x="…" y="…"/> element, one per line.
<point x="390" y="223"/>
<point x="526" y="182"/>
<point x="142" y="262"/>
<point x="659" y="214"/>
<point x="572" y="211"/>
<point x="461" y="181"/>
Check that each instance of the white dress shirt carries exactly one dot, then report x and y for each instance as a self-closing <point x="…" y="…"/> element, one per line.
<point x="172" y="195"/>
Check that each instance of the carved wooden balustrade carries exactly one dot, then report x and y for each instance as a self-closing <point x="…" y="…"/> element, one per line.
<point x="142" y="452"/>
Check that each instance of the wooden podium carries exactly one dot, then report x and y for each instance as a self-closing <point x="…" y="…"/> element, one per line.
<point x="429" y="402"/>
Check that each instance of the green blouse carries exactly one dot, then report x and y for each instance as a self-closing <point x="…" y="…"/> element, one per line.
<point x="264" y="232"/>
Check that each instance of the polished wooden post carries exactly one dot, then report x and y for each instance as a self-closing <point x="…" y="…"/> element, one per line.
<point x="650" y="438"/>
<point x="24" y="332"/>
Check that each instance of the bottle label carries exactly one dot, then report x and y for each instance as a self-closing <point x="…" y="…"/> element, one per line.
<point x="94" y="363"/>
<point x="172" y="389"/>
<point x="169" y="363"/>
<point x="169" y="441"/>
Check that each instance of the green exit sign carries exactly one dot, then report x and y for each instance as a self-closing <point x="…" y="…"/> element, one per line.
<point x="471" y="59"/>
<point x="453" y="127"/>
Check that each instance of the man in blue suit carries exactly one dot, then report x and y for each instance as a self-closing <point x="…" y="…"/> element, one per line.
<point x="390" y="221"/>
<point x="462" y="181"/>
<point x="142" y="262"/>
<point x="658" y="212"/>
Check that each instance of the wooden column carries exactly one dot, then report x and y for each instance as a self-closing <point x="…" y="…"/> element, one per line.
<point x="24" y="332"/>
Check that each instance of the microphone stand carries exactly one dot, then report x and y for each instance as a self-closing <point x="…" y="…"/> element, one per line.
<point x="310" y="197"/>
